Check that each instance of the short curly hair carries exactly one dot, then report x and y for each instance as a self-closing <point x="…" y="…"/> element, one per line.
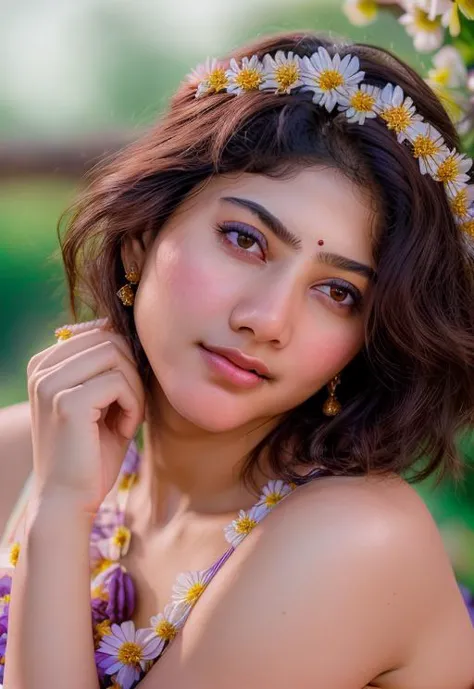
<point x="410" y="390"/>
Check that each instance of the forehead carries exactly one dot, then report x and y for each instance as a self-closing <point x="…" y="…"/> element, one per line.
<point x="314" y="203"/>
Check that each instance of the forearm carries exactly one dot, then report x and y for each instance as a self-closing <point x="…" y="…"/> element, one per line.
<point x="50" y="639"/>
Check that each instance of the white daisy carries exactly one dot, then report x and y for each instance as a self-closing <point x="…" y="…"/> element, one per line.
<point x="434" y="8"/>
<point x="247" y="77"/>
<point x="282" y="72"/>
<point x="462" y="203"/>
<point x="449" y="69"/>
<point x="237" y="530"/>
<point x="452" y="172"/>
<point x="428" y="34"/>
<point x="188" y="588"/>
<point x="327" y="76"/>
<point x="397" y="111"/>
<point x="208" y="77"/>
<point x="360" y="103"/>
<point x="168" y="623"/>
<point x="428" y="147"/>
<point x="361" y="12"/>
<point x="117" y="545"/>
<point x="273" y="492"/>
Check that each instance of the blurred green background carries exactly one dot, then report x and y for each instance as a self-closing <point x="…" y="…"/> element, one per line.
<point x="81" y="79"/>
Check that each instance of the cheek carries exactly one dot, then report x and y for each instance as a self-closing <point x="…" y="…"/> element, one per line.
<point x="189" y="282"/>
<point x="321" y="359"/>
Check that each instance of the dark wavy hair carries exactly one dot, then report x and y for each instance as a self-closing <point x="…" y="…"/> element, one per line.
<point x="410" y="390"/>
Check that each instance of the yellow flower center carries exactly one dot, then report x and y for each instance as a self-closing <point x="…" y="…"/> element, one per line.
<point x="397" y="118"/>
<point x="292" y="485"/>
<point x="248" y="79"/>
<point x="330" y="79"/>
<point x="459" y="204"/>
<point x="273" y="499"/>
<point x="194" y="592"/>
<point x="2" y="660"/>
<point x="368" y="8"/>
<point x="4" y="600"/>
<point x="63" y="333"/>
<point x="121" y="536"/>
<point x="468" y="227"/>
<point x="98" y="592"/>
<point x="286" y="75"/>
<point x="102" y="566"/>
<point x="127" y="481"/>
<point x="14" y="554"/>
<point x="217" y="80"/>
<point x="165" y="630"/>
<point x="440" y="76"/>
<point x="101" y="629"/>
<point x="424" y="147"/>
<point x="423" y="22"/>
<point x="362" y="101"/>
<point x="448" y="170"/>
<point x="245" y="525"/>
<point x="129" y="653"/>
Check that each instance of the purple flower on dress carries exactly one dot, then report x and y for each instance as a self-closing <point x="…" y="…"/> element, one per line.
<point x="121" y="603"/>
<point x="128" y="652"/>
<point x="3" y="646"/>
<point x="469" y="600"/>
<point x="99" y="610"/>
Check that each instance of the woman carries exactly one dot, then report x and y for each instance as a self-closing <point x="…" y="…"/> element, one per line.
<point x="295" y="332"/>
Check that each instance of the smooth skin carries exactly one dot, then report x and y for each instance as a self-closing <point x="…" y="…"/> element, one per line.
<point x="346" y="584"/>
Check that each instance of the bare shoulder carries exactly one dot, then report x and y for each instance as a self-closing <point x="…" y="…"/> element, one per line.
<point x="347" y="575"/>
<point x="16" y="455"/>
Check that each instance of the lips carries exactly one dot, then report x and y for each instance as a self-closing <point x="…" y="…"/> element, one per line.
<point x="241" y="360"/>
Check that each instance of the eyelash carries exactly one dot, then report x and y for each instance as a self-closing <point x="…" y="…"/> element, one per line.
<point x="225" y="229"/>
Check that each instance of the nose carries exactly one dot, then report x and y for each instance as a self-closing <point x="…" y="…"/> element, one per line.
<point x="267" y="310"/>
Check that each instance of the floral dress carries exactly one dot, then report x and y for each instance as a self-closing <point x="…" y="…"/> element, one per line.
<point x="124" y="654"/>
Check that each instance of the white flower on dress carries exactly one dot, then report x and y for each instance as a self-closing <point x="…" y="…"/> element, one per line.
<point x="361" y="12"/>
<point x="188" y="588"/>
<point x="427" y="34"/>
<point x="397" y="111"/>
<point x="282" y="73"/>
<point x="428" y="147"/>
<point x="117" y="545"/>
<point x="452" y="171"/>
<point x="360" y="103"/>
<point x="273" y="492"/>
<point x="208" y="77"/>
<point x="237" y="530"/>
<point x="247" y="77"/>
<point x="167" y="624"/>
<point x="327" y="76"/>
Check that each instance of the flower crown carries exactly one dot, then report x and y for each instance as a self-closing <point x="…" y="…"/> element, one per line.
<point x="338" y="81"/>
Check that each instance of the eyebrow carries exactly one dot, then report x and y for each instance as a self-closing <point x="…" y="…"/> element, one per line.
<point x="283" y="233"/>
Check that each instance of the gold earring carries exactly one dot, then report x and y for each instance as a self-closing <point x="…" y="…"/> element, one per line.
<point x="332" y="406"/>
<point x="126" y="293"/>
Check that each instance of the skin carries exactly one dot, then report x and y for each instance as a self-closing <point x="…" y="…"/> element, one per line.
<point x="329" y="553"/>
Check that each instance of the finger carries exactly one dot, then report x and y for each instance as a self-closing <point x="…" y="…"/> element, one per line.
<point x="90" y="398"/>
<point x="67" y="348"/>
<point x="45" y="384"/>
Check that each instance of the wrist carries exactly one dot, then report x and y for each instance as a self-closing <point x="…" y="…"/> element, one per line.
<point x="60" y="507"/>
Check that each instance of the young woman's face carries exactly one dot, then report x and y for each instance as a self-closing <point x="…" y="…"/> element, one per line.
<point x="277" y="269"/>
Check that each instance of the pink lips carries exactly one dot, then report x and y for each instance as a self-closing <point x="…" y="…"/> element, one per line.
<point x="232" y="371"/>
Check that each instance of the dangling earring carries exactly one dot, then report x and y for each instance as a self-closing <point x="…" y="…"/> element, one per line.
<point x="332" y="406"/>
<point x="126" y="293"/>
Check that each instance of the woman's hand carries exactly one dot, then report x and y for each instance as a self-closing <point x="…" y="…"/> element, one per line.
<point x="87" y="401"/>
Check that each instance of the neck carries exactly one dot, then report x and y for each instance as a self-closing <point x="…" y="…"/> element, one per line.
<point x="188" y="469"/>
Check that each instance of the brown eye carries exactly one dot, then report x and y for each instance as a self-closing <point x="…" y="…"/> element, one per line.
<point x="245" y="242"/>
<point x="338" y="293"/>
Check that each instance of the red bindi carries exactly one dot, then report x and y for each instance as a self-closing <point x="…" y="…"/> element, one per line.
<point x="321" y="242"/>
